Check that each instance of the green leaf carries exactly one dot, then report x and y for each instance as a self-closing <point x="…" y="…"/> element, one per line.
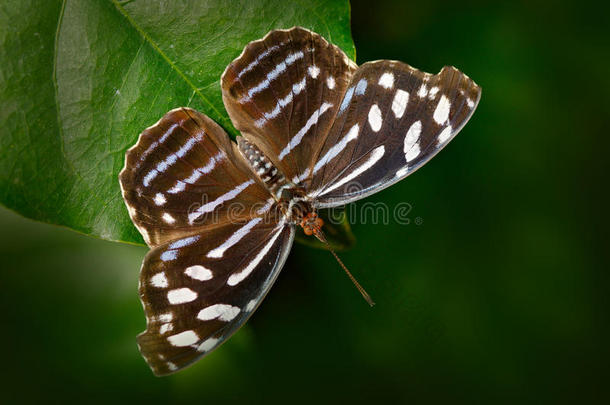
<point x="81" y="79"/>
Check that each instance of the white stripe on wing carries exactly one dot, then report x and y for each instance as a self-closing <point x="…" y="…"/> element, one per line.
<point x="171" y="159"/>
<point x="280" y="68"/>
<point x="209" y="207"/>
<point x="377" y="154"/>
<point x="283" y="102"/>
<point x="298" y="137"/>
<point x="233" y="239"/>
<point x="239" y="276"/>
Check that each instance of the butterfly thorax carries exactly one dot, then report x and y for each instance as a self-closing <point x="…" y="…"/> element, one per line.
<point x="294" y="204"/>
<point x="274" y="179"/>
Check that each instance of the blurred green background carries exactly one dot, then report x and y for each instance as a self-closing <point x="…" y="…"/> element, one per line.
<point x="500" y="295"/>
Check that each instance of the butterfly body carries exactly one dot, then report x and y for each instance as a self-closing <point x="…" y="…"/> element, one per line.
<point x="273" y="178"/>
<point x="293" y="203"/>
<point x="317" y="131"/>
<point x="296" y="205"/>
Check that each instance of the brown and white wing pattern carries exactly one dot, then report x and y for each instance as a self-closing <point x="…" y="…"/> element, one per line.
<point x="198" y="290"/>
<point x="339" y="131"/>
<point x="392" y="120"/>
<point x="283" y="92"/>
<point x="219" y="236"/>
<point x="185" y="175"/>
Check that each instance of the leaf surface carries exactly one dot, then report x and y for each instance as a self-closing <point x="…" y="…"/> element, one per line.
<point x="81" y="79"/>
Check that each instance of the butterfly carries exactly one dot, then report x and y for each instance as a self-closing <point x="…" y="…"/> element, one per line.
<point x="317" y="131"/>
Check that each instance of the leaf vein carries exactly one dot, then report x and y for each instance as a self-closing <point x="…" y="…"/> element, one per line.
<point x="171" y="63"/>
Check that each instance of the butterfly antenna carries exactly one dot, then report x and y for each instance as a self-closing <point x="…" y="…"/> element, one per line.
<point x="365" y="295"/>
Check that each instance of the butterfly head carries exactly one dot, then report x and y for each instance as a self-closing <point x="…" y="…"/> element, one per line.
<point x="312" y="224"/>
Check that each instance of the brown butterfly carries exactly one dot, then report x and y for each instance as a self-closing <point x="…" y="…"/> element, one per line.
<point x="220" y="216"/>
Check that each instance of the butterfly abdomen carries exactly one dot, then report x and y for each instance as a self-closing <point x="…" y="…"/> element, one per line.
<point x="261" y="165"/>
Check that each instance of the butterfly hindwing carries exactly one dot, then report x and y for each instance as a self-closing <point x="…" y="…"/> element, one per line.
<point x="392" y="120"/>
<point x="198" y="290"/>
<point x="282" y="93"/>
<point x="185" y="174"/>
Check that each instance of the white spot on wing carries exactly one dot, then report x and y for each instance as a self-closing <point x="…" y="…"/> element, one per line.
<point x="361" y="87"/>
<point x="222" y="312"/>
<point x="166" y="327"/>
<point x="169" y="255"/>
<point x="186" y="338"/>
<point x="160" y="199"/>
<point x="159" y="280"/>
<point x="387" y="80"/>
<point x="132" y="211"/>
<point x="330" y="82"/>
<point x="181" y="296"/>
<point x="314" y="71"/>
<point x="168" y="218"/>
<point x="251" y="305"/>
<point x="411" y="145"/>
<point x="183" y="242"/>
<point x="442" y="110"/>
<point x="198" y="273"/>
<point x="445" y="134"/>
<point x="375" y="120"/>
<point x="346" y="99"/>
<point x="402" y="172"/>
<point x="167" y="317"/>
<point x="423" y="91"/>
<point x="207" y="345"/>
<point x="399" y="104"/>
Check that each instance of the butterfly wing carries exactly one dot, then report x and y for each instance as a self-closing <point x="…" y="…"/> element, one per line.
<point x="340" y="131"/>
<point x="198" y="290"/>
<point x="392" y="120"/>
<point x="283" y="92"/>
<point x="185" y="175"/>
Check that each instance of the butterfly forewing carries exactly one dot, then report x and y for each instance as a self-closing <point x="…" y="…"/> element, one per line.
<point x="282" y="93"/>
<point x="184" y="175"/>
<point x="198" y="290"/>
<point x="392" y="120"/>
